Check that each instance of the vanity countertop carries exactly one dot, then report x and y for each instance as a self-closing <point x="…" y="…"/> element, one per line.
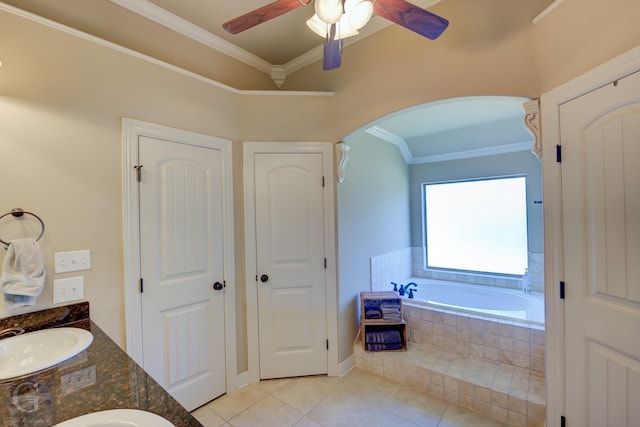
<point x="101" y="377"/>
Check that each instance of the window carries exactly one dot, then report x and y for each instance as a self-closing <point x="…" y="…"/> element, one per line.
<point x="478" y="225"/>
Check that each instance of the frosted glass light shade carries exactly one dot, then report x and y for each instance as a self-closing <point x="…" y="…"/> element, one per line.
<point x="317" y="26"/>
<point x="359" y="12"/>
<point x="344" y="29"/>
<point x="329" y="11"/>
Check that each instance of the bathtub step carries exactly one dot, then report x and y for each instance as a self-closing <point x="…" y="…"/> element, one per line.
<point x="511" y="395"/>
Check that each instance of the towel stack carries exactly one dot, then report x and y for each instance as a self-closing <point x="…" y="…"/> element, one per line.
<point x="387" y="339"/>
<point x="391" y="310"/>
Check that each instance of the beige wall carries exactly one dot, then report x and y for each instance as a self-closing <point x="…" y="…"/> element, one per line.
<point x="62" y="99"/>
<point x="582" y="34"/>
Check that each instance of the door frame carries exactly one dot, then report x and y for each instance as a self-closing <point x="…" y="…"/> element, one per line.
<point x="131" y="131"/>
<point x="621" y="66"/>
<point x="250" y="149"/>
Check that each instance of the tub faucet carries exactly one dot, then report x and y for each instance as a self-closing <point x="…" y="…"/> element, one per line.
<point x="11" y="332"/>
<point x="406" y="288"/>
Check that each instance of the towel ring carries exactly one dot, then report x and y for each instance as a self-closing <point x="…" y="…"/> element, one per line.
<point x="18" y="212"/>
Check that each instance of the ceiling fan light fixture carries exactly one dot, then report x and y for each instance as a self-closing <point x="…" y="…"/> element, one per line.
<point x="344" y="28"/>
<point x="359" y="12"/>
<point x="317" y="26"/>
<point x="329" y="11"/>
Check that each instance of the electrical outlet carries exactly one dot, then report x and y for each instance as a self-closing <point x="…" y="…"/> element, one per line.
<point x="69" y="289"/>
<point x="72" y="261"/>
<point x="78" y="380"/>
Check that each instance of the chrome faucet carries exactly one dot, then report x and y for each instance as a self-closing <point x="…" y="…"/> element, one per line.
<point x="11" y="332"/>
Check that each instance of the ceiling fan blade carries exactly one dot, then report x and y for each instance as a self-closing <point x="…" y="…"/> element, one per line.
<point x="332" y="51"/>
<point x="263" y="14"/>
<point x="411" y="17"/>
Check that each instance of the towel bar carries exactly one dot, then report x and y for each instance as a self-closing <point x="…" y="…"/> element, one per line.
<point x="18" y="212"/>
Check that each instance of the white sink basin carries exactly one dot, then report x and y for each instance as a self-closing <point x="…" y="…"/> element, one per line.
<point x="34" y="351"/>
<point x="117" y="418"/>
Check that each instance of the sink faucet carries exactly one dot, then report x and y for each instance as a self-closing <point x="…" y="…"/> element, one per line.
<point x="11" y="332"/>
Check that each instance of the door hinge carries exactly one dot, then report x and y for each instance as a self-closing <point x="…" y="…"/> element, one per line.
<point x="141" y="283"/>
<point x="323" y="182"/>
<point x="138" y="169"/>
<point x="327" y="344"/>
<point x="561" y="290"/>
<point x="563" y="421"/>
<point x="559" y="153"/>
<point x="325" y="263"/>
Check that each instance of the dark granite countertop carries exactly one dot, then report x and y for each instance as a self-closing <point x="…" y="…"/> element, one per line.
<point x="101" y="377"/>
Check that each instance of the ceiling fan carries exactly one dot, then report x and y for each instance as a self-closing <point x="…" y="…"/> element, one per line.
<point x="337" y="19"/>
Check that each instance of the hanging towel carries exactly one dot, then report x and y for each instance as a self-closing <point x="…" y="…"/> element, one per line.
<point x="22" y="273"/>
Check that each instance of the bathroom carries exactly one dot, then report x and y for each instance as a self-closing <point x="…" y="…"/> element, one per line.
<point x="394" y="252"/>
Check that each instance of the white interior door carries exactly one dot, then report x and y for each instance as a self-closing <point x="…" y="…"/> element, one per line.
<point x="181" y="240"/>
<point x="600" y="137"/>
<point x="291" y="280"/>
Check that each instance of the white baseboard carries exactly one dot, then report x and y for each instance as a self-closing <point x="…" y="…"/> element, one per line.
<point x="243" y="379"/>
<point x="346" y="365"/>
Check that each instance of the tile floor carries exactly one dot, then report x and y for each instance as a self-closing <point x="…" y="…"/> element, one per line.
<point x="360" y="398"/>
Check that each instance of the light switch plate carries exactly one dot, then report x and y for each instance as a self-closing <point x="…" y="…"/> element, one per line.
<point x="69" y="289"/>
<point x="72" y="261"/>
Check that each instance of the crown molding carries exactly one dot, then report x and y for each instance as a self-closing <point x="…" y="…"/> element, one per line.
<point x="394" y="139"/>
<point x="126" y="51"/>
<point x="478" y="152"/>
<point x="277" y="72"/>
<point x="547" y="10"/>
<point x="458" y="155"/>
<point x="173" y="22"/>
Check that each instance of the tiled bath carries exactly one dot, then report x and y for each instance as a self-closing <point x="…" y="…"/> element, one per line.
<point x="491" y="366"/>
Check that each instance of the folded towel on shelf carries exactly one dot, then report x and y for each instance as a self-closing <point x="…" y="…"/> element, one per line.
<point x="381" y="347"/>
<point x="23" y="273"/>
<point x="384" y="337"/>
<point x="372" y="313"/>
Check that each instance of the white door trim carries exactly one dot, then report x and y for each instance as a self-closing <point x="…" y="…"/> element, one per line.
<point x="249" y="151"/>
<point x="131" y="130"/>
<point x="550" y="102"/>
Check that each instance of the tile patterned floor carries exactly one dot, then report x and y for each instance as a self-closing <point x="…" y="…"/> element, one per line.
<point x="358" y="399"/>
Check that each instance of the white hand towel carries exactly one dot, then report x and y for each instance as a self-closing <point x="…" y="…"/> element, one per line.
<point x="23" y="273"/>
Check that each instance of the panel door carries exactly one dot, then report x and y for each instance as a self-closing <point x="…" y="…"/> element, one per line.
<point x="181" y="259"/>
<point x="290" y="263"/>
<point x="600" y="134"/>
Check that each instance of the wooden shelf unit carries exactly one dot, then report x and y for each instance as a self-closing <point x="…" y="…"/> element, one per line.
<point x="393" y="322"/>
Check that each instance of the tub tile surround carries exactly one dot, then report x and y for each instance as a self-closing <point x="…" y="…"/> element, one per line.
<point x="491" y="366"/>
<point x="398" y="265"/>
<point x="494" y="367"/>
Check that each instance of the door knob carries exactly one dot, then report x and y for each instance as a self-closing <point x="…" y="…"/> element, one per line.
<point x="264" y="278"/>
<point x="217" y="286"/>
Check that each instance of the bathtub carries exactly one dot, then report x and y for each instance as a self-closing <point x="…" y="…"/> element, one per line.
<point x="491" y="301"/>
